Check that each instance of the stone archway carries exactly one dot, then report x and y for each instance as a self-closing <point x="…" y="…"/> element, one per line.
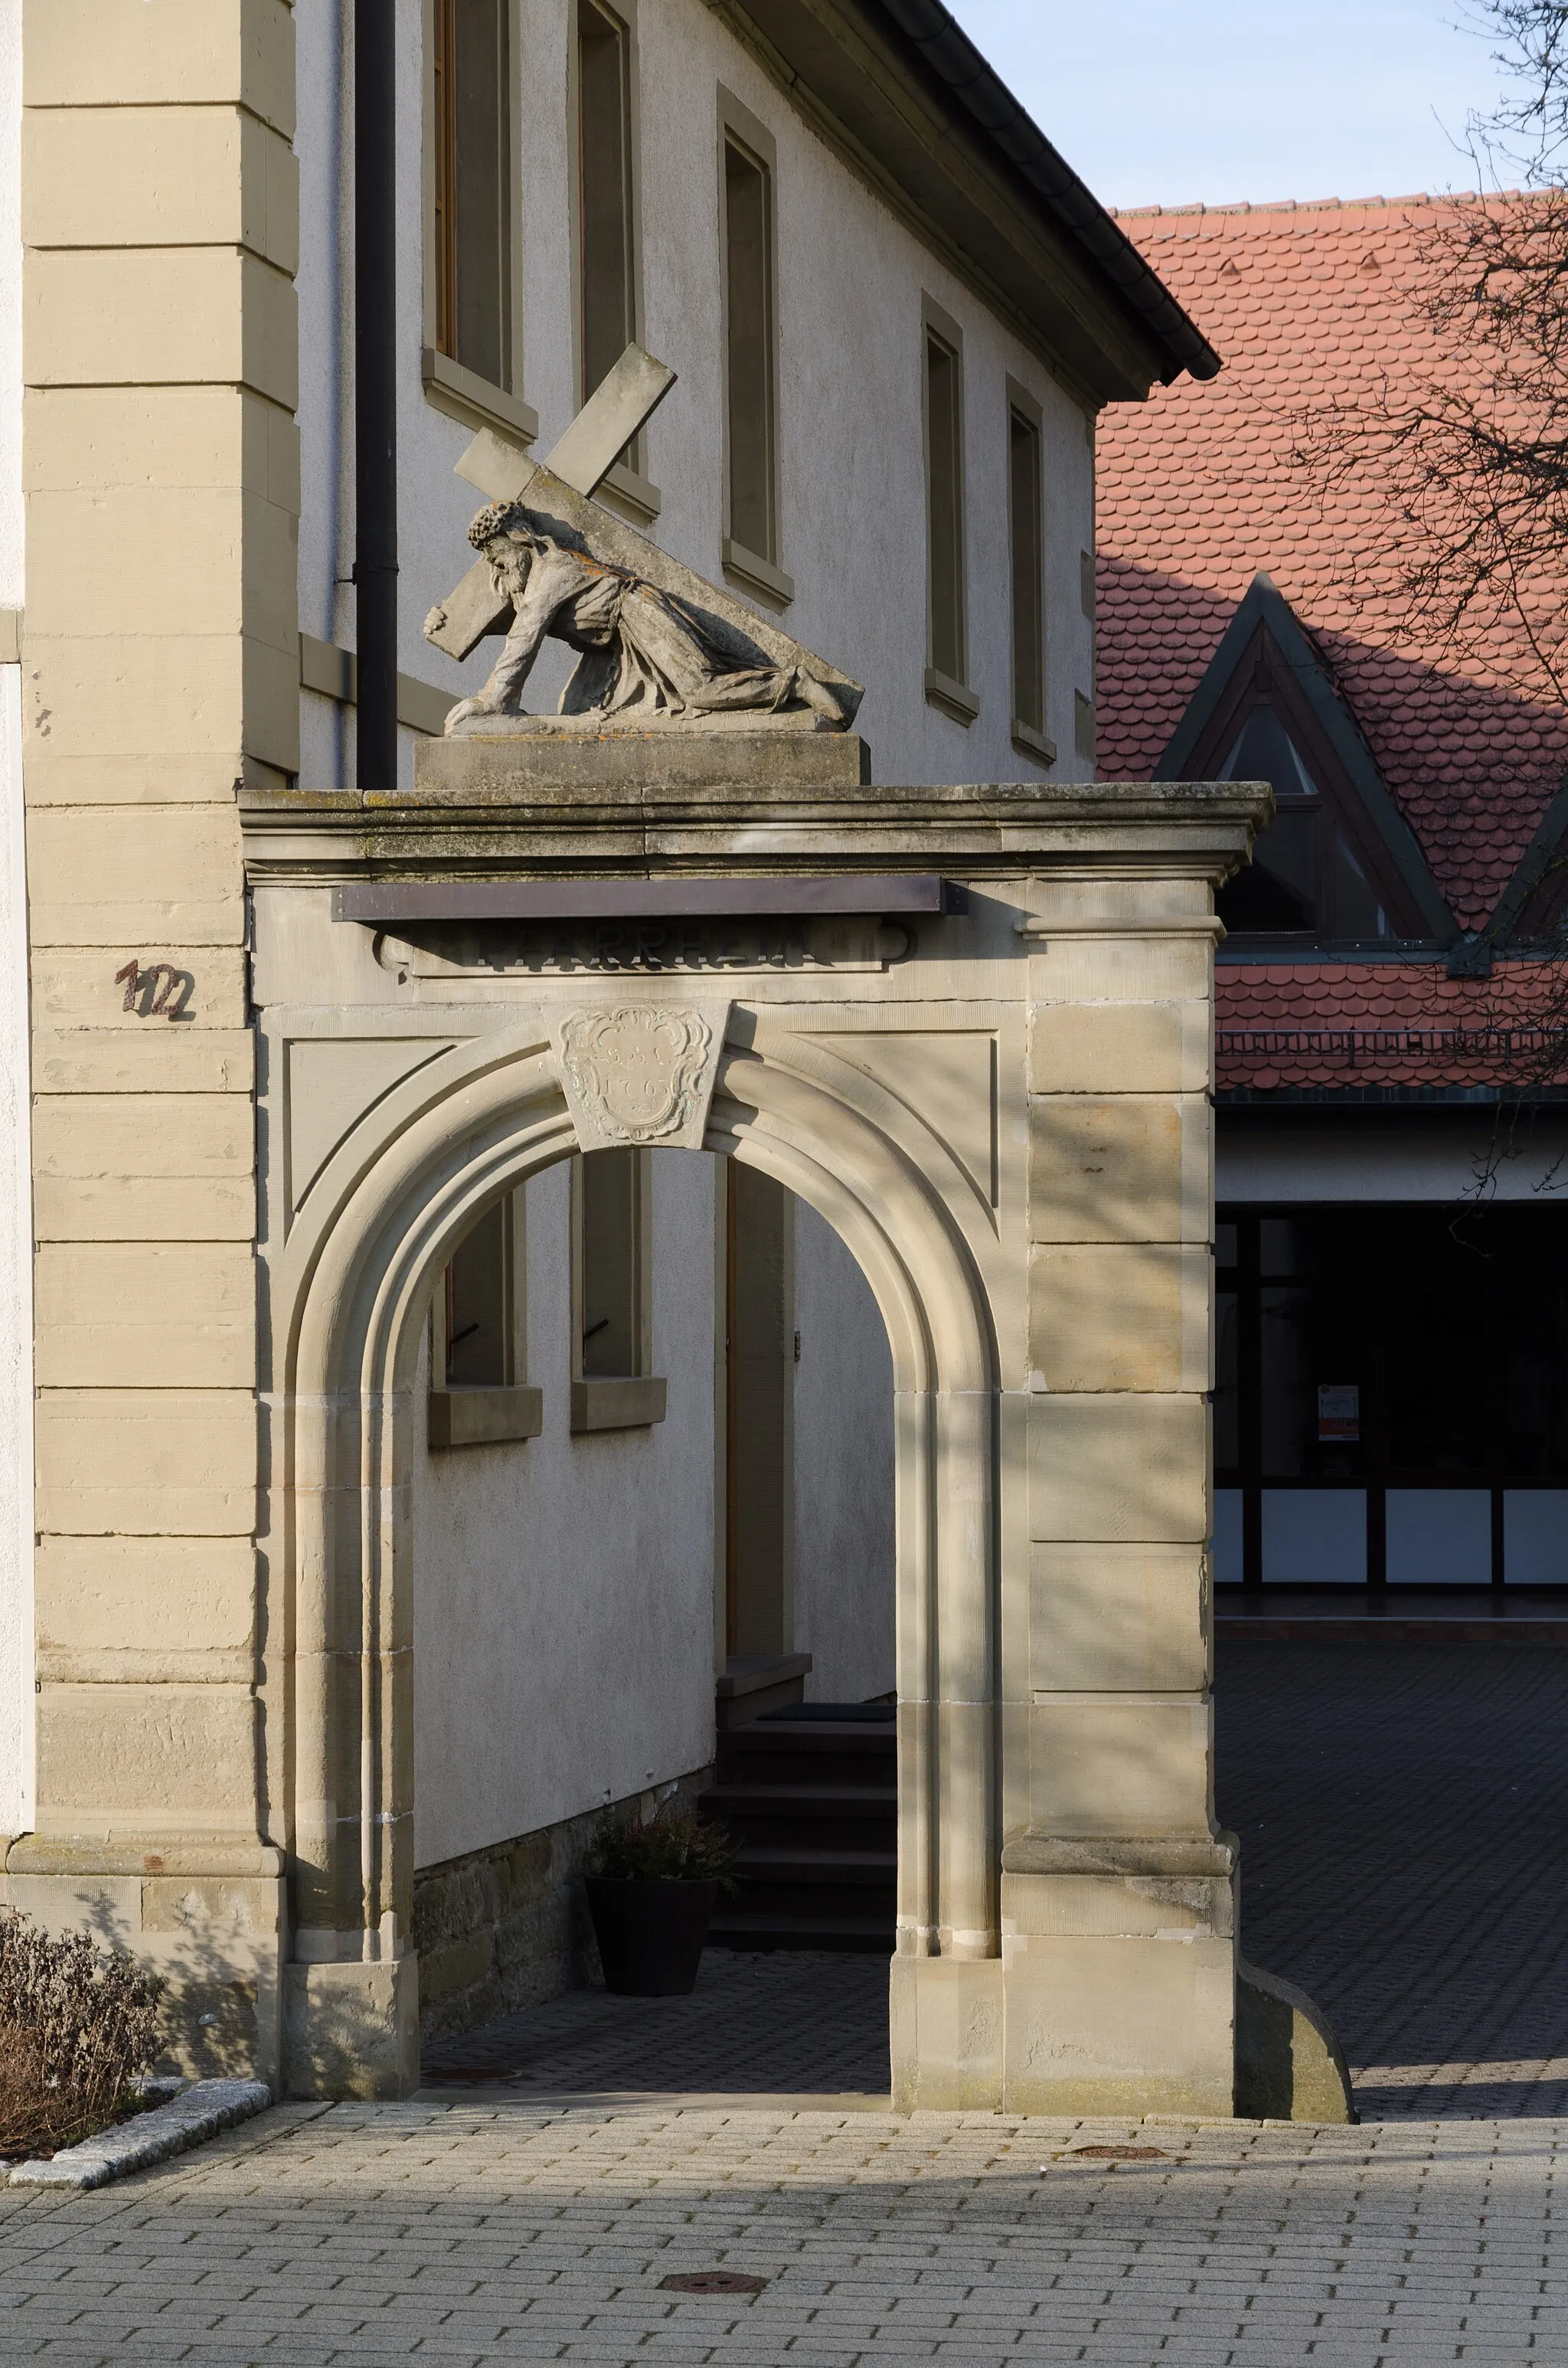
<point x="349" y="1295"/>
<point x="991" y="1076"/>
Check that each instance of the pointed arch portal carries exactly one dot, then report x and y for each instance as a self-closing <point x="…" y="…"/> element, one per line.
<point x="997" y="1096"/>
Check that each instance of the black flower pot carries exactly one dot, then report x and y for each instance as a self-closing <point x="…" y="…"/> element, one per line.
<point x="650" y="1930"/>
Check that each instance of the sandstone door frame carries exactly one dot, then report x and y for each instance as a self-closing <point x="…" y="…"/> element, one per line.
<point x="1002" y="1106"/>
<point x="349" y="1298"/>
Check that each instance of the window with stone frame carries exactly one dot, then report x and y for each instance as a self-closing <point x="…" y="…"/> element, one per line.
<point x="751" y="458"/>
<point x="472" y="74"/>
<point x="1026" y="536"/>
<point x="479" y="1393"/>
<point x="606" y="218"/>
<point x="611" y="1280"/>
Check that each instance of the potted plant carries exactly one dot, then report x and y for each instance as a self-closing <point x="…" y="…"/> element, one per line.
<point x="652" y="1885"/>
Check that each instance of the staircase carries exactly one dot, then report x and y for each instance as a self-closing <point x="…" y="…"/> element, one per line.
<point x="810" y="1794"/>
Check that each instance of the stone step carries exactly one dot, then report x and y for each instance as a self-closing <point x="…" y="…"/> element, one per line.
<point x="738" y="1927"/>
<point x="777" y="1752"/>
<point x="814" y="1816"/>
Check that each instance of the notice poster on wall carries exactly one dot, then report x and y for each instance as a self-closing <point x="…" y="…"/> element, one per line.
<point x="1339" y="1410"/>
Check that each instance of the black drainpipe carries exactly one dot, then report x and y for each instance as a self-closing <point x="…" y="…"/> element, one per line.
<point x="375" y="390"/>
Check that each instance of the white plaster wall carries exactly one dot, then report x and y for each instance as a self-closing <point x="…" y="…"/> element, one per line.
<point x="1412" y="1155"/>
<point x="16" y="1290"/>
<point x="851" y="279"/>
<point x="565" y="1600"/>
<point x="15" y="1155"/>
<point x="843" y="1472"/>
<point x="564" y="1589"/>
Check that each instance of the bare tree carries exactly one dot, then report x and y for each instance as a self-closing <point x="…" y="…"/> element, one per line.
<point x="1466" y="440"/>
<point x="1471" y="449"/>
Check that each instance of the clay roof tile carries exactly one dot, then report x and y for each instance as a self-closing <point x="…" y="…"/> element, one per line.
<point x="1197" y="489"/>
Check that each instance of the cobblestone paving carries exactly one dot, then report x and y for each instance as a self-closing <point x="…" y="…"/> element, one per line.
<point x="1403" y="1813"/>
<point x="475" y="2235"/>
<point x="1403" y="1816"/>
<point x="756" y="2025"/>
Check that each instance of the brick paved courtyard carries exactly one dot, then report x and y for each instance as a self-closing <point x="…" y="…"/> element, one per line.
<point x="477" y="2235"/>
<point x="1403" y="1811"/>
<point x="1403" y="1815"/>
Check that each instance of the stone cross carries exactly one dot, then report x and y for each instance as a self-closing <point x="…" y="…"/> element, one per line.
<point x="500" y="468"/>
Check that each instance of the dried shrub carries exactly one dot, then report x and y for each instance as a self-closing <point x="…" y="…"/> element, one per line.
<point x="77" y="2024"/>
<point x="674" y="1843"/>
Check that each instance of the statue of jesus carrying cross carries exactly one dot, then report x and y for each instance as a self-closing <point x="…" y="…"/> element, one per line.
<point x="657" y="646"/>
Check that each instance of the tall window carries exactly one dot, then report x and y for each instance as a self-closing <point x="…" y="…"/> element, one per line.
<point x="749" y="351"/>
<point x="1026" y="535"/>
<point x="607" y="290"/>
<point x="944" y="522"/>
<point x="610" y="1271"/>
<point x="478" y="1308"/>
<point x="478" y="1395"/>
<point x="473" y="185"/>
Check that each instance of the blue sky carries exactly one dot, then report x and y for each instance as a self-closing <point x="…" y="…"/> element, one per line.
<point x="1168" y="101"/>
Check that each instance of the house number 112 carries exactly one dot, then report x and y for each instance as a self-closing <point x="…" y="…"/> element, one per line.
<point x="155" y="991"/>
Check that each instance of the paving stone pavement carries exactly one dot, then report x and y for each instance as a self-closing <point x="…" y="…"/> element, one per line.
<point x="477" y="2235"/>
<point x="1404" y="1817"/>
<point x="791" y="2024"/>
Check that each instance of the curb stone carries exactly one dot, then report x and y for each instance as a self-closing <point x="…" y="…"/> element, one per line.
<point x="200" y="2113"/>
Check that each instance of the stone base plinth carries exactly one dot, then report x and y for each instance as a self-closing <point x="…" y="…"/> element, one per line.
<point x="207" y="1915"/>
<point x="1114" y="1993"/>
<point x="559" y="755"/>
<point x="351" y="2030"/>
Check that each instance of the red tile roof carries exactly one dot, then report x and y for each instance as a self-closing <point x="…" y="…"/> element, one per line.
<point x="1356" y="1024"/>
<point x="1198" y="490"/>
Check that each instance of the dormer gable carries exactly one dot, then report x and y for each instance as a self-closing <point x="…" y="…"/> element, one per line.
<point x="1339" y="868"/>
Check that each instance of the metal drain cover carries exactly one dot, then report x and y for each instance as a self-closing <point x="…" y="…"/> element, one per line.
<point x="733" y="2281"/>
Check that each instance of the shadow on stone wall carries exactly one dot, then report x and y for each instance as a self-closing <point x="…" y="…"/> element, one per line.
<point x="507" y="1927"/>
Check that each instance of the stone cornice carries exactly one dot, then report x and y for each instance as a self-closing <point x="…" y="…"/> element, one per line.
<point x="750" y="827"/>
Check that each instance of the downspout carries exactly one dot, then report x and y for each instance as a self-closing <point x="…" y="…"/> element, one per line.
<point x="375" y="390"/>
<point x="375" y="582"/>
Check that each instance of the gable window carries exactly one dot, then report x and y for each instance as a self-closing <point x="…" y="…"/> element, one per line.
<point x="1305" y="877"/>
<point x="612" y="1388"/>
<point x="751" y="365"/>
<point x="946" y="624"/>
<point x="478" y="1346"/>
<point x="471" y="361"/>
<point x="1025" y="536"/>
<point x="1338" y="864"/>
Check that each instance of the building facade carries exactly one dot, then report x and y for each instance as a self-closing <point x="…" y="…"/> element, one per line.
<point x="654" y="1391"/>
<point x="1389" y="1407"/>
